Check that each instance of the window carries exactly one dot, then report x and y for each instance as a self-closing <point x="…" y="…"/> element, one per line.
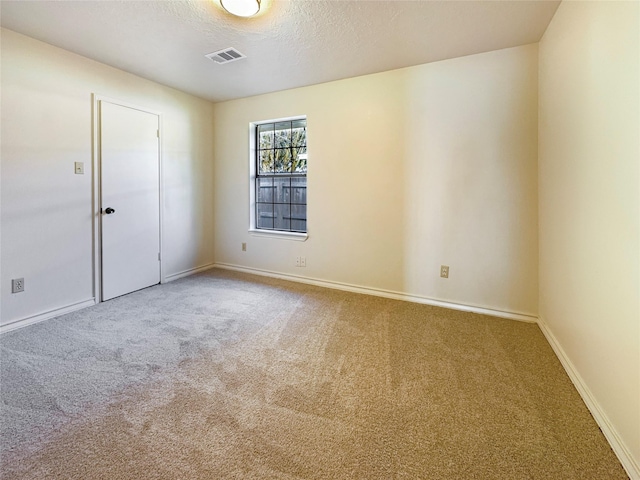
<point x="281" y="176"/>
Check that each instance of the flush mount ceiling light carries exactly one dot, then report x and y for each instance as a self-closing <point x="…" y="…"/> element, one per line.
<point x="241" y="8"/>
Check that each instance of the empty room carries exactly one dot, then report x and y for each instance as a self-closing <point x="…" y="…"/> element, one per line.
<point x="320" y="239"/>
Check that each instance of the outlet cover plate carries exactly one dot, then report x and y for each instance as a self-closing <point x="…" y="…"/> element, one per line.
<point x="444" y="271"/>
<point x="17" y="285"/>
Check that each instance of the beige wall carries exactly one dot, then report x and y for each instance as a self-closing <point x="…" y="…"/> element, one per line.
<point x="408" y="170"/>
<point x="46" y="211"/>
<point x="589" y="203"/>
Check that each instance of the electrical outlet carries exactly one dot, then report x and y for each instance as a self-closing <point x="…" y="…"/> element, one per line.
<point x="303" y="261"/>
<point x="444" y="271"/>
<point x="17" y="285"/>
<point x="244" y="247"/>
<point x="297" y="261"/>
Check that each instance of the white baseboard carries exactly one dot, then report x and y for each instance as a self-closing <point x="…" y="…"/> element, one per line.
<point x="23" y="322"/>
<point x="186" y="273"/>
<point x="617" y="445"/>
<point x="522" y="317"/>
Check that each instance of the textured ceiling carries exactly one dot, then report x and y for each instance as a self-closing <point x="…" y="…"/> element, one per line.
<point x="289" y="44"/>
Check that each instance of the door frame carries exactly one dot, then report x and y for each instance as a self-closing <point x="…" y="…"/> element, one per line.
<point x="96" y="194"/>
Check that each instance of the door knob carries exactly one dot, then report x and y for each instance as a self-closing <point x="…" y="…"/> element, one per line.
<point x="109" y="211"/>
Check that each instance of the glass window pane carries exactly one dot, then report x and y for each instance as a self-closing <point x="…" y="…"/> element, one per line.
<point x="299" y="190"/>
<point x="282" y="219"/>
<point x="302" y="123"/>
<point x="299" y="160"/>
<point x="265" y="136"/>
<point x="281" y="190"/>
<point x="282" y="135"/>
<point x="266" y="161"/>
<point x="265" y="189"/>
<point x="299" y="133"/>
<point x="299" y="218"/>
<point x="283" y="160"/>
<point x="265" y="215"/>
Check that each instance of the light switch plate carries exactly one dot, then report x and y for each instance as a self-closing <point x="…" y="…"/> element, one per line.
<point x="79" y="168"/>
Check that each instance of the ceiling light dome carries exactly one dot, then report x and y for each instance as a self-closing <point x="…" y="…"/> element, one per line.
<point x="241" y="8"/>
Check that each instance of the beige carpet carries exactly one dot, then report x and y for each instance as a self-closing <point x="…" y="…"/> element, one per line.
<point x="299" y="382"/>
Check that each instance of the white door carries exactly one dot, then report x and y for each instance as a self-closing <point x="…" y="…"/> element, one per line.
<point x="130" y="199"/>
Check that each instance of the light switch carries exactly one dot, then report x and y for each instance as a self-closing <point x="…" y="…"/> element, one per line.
<point x="79" y="166"/>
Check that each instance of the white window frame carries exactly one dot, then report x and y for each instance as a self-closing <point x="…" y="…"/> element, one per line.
<point x="253" y="230"/>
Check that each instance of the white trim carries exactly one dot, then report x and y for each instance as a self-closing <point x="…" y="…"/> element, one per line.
<point x="378" y="292"/>
<point x="56" y="312"/>
<point x="95" y="199"/>
<point x="40" y="317"/>
<point x="97" y="194"/>
<point x="160" y="198"/>
<point x="617" y="444"/>
<point x="252" y="176"/>
<point x="190" y="271"/>
<point x="300" y="237"/>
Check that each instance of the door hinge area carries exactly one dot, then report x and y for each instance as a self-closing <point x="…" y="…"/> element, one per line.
<point x="158" y="256"/>
<point x="158" y="133"/>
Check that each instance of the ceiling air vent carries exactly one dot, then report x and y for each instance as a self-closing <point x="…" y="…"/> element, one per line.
<point x="225" y="55"/>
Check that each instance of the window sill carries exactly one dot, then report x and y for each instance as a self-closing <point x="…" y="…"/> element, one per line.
<point x="299" y="237"/>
